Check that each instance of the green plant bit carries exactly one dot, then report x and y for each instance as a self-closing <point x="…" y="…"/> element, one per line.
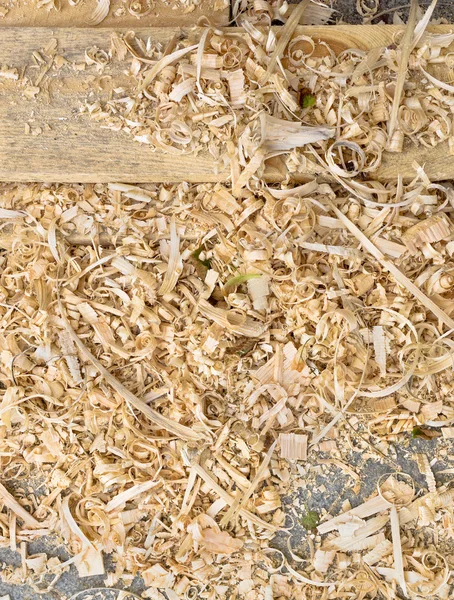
<point x="196" y="254"/>
<point x="307" y="101"/>
<point x="310" y="520"/>
<point x="233" y="282"/>
<point x="425" y="434"/>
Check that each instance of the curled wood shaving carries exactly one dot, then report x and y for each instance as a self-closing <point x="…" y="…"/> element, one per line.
<point x="433" y="229"/>
<point x="375" y="555"/>
<point x="323" y="560"/>
<point x="100" y="13"/>
<point x="175" y="428"/>
<point x="199" y="324"/>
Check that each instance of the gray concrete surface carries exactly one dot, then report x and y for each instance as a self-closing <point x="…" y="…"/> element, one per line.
<point x="346" y="10"/>
<point x="69" y="585"/>
<point x="338" y="485"/>
<point x="338" y="488"/>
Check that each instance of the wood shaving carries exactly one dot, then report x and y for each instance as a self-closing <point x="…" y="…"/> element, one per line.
<point x="424" y="466"/>
<point x="158" y="342"/>
<point x="117" y="338"/>
<point x="250" y="13"/>
<point x="264" y="80"/>
<point x="293" y="446"/>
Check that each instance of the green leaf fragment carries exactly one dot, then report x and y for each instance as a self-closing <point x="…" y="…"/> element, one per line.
<point x="238" y="280"/>
<point x="417" y="432"/>
<point x="310" y="520"/>
<point x="308" y="101"/>
<point x="196" y="254"/>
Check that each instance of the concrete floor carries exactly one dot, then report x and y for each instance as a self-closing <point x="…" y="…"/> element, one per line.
<point x="347" y="10"/>
<point x="338" y="489"/>
<point x="339" y="486"/>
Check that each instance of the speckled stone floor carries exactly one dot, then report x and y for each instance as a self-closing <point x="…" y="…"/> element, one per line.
<point x="346" y="10"/>
<point x="338" y="486"/>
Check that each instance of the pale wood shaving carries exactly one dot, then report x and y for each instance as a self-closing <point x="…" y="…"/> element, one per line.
<point x="159" y="341"/>
<point x="424" y="466"/>
<point x="293" y="446"/>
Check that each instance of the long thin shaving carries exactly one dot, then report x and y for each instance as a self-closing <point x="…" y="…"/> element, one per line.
<point x="286" y="36"/>
<point x="389" y="266"/>
<point x="397" y="549"/>
<point x="240" y="500"/>
<point x="228" y="498"/>
<point x="422" y="25"/>
<point x="181" y="431"/>
<point x="10" y="502"/>
<point x="403" y="64"/>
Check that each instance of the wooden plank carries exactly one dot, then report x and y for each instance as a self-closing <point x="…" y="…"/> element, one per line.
<point x="70" y="147"/>
<point x="162" y="14"/>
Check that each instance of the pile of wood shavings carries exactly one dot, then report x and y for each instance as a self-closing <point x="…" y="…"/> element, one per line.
<point x="169" y="352"/>
<point x="268" y="107"/>
<point x="264" y="12"/>
<point x="138" y="8"/>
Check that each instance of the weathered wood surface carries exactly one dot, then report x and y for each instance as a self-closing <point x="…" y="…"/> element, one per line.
<point x="70" y="147"/>
<point x="173" y="13"/>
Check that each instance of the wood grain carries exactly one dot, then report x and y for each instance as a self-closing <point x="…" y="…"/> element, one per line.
<point x="25" y="13"/>
<point x="70" y="147"/>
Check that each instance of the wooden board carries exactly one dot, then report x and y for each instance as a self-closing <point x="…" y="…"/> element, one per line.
<point x="173" y="13"/>
<point x="70" y="147"/>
